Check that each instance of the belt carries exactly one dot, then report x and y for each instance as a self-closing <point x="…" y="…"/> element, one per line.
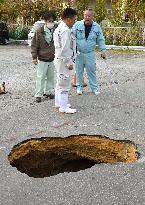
<point x="87" y="52"/>
<point x="59" y="58"/>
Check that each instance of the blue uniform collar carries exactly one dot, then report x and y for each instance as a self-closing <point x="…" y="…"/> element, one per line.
<point x="93" y="24"/>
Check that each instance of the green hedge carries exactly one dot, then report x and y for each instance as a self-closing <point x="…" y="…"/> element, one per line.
<point x="129" y="36"/>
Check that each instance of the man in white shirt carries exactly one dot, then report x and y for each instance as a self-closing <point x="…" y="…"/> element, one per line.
<point x="65" y="53"/>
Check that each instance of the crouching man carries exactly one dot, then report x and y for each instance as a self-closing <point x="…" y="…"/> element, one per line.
<point x="65" y="53"/>
<point x="42" y="50"/>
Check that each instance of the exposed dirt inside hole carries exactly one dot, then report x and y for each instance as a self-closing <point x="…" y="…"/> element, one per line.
<point x="44" y="157"/>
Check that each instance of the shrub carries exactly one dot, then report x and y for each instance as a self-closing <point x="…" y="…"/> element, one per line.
<point x="18" y="33"/>
<point x="129" y="36"/>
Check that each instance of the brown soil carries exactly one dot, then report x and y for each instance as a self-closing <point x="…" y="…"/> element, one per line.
<point x="49" y="156"/>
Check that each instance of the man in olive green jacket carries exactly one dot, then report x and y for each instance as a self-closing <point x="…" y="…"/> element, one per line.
<point x="42" y="50"/>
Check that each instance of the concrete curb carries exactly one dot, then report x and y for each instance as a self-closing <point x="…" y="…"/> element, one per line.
<point x="142" y="48"/>
<point x="18" y="42"/>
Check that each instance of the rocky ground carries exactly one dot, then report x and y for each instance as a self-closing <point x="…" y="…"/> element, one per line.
<point x="118" y="112"/>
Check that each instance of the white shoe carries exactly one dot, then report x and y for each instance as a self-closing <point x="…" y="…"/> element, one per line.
<point x="57" y="106"/>
<point x="79" y="92"/>
<point x="96" y="92"/>
<point x="67" y="111"/>
<point x="68" y="105"/>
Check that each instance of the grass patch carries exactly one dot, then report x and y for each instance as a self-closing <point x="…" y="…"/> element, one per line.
<point x="126" y="51"/>
<point x="122" y="51"/>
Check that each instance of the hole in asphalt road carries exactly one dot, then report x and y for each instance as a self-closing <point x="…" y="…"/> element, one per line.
<point x="44" y="157"/>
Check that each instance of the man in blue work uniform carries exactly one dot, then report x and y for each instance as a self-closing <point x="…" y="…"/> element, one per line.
<point x="88" y="34"/>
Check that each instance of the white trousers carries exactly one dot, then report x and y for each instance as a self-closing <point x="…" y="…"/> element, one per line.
<point x="63" y="83"/>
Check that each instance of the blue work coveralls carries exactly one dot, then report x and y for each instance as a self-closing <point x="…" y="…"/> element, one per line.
<point x="86" y="49"/>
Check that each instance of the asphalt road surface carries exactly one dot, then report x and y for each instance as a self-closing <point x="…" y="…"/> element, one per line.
<point x="118" y="112"/>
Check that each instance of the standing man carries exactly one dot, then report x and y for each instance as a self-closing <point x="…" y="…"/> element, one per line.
<point x="42" y="50"/>
<point x="65" y="53"/>
<point x="88" y="33"/>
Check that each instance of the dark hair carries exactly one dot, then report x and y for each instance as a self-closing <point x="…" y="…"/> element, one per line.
<point x="49" y="14"/>
<point x="68" y="13"/>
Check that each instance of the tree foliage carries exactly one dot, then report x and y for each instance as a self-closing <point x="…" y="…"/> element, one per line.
<point x="31" y="10"/>
<point x="98" y="7"/>
<point x="135" y="9"/>
<point x="100" y="10"/>
<point x="116" y="17"/>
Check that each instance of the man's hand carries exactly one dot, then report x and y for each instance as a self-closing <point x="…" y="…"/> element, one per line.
<point x="103" y="55"/>
<point x="35" y="61"/>
<point x="70" y="67"/>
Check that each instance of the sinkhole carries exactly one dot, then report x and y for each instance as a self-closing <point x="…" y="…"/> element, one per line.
<point x="45" y="157"/>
